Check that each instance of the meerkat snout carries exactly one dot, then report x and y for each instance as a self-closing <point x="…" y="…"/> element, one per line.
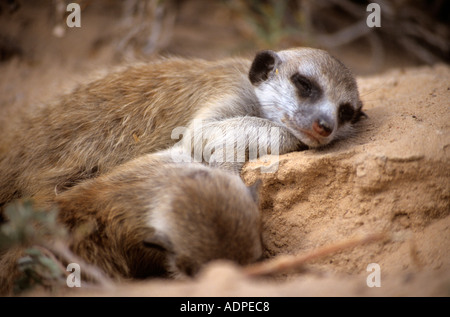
<point x="323" y="126"/>
<point x="307" y="90"/>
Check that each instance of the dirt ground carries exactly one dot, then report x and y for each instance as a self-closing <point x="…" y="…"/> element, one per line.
<point x="391" y="177"/>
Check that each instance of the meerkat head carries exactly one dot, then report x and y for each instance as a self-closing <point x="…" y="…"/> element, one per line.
<point x="209" y="215"/>
<point x="308" y="91"/>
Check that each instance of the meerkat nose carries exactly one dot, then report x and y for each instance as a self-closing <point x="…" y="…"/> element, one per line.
<point x="322" y="127"/>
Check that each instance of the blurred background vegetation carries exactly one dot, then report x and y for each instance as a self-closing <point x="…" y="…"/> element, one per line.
<point x="412" y="31"/>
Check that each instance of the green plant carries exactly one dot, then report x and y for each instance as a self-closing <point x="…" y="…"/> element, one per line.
<point x="32" y="230"/>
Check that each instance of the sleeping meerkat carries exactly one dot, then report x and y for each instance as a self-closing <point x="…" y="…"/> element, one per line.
<point x="309" y="96"/>
<point x="155" y="217"/>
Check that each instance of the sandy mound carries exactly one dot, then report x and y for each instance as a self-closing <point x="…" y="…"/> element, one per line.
<point x="393" y="176"/>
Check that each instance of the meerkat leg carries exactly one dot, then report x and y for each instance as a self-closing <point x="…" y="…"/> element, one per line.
<point x="229" y="143"/>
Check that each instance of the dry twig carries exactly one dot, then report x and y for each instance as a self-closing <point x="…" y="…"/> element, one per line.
<point x="286" y="263"/>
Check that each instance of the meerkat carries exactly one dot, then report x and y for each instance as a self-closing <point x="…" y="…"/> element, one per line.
<point x="152" y="216"/>
<point x="308" y="95"/>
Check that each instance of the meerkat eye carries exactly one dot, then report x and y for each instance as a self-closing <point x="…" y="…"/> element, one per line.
<point x="154" y="246"/>
<point x="358" y="114"/>
<point x="346" y="112"/>
<point x="303" y="85"/>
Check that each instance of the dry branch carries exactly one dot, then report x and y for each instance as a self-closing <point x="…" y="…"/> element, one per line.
<point x="282" y="264"/>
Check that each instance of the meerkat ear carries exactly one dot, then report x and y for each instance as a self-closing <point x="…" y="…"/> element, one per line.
<point x="254" y="190"/>
<point x="264" y="64"/>
<point x="158" y="241"/>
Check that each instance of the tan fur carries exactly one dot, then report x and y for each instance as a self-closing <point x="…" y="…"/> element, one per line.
<point x="192" y="214"/>
<point x="197" y="213"/>
<point x="131" y="112"/>
<point x="9" y="270"/>
<point x="108" y="122"/>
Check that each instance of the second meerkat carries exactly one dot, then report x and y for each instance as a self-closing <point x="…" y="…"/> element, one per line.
<point x="154" y="216"/>
<point x="309" y="95"/>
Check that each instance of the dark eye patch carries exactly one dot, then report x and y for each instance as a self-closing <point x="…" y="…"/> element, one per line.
<point x="358" y="114"/>
<point x="306" y="87"/>
<point x="346" y="113"/>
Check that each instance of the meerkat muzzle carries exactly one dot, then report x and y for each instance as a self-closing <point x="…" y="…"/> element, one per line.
<point x="322" y="127"/>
